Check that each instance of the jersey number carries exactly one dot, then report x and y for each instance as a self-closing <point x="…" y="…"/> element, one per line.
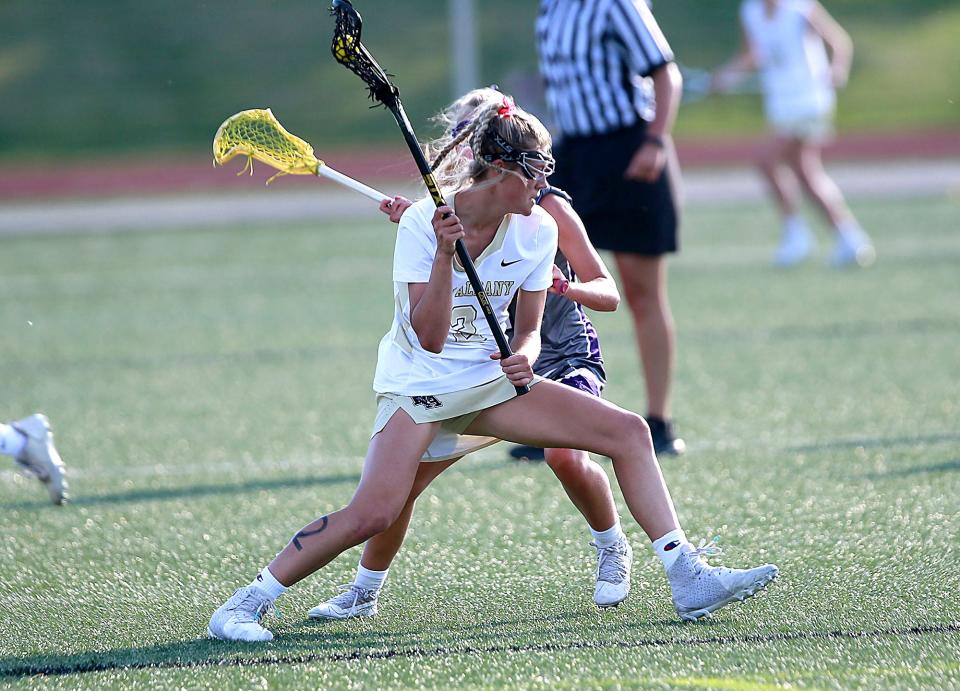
<point x="462" y="324"/>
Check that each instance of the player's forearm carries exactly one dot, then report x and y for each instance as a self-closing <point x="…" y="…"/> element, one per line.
<point x="526" y="343"/>
<point x="600" y="294"/>
<point x="430" y="317"/>
<point x="733" y="72"/>
<point x="668" y="87"/>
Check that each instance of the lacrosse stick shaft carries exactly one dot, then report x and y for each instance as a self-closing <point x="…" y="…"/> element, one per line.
<point x="347" y="181"/>
<point x="462" y="254"/>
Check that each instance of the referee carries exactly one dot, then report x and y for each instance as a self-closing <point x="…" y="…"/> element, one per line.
<point x="613" y="91"/>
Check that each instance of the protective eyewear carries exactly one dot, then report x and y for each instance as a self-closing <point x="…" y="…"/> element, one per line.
<point x="534" y="164"/>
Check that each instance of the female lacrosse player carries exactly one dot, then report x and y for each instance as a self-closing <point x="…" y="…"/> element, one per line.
<point x="788" y="42"/>
<point x="570" y="354"/>
<point x="438" y="375"/>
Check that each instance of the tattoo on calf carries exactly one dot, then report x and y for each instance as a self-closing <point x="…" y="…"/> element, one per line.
<point x="308" y="533"/>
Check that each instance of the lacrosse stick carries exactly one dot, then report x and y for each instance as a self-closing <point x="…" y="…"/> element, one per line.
<point x="257" y="134"/>
<point x="699" y="83"/>
<point x="351" y="53"/>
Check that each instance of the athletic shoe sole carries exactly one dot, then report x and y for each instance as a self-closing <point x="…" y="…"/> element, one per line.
<point x="359" y="612"/>
<point x="213" y="636"/>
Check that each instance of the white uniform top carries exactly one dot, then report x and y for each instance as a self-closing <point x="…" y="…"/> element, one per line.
<point x="792" y="60"/>
<point x="520" y="256"/>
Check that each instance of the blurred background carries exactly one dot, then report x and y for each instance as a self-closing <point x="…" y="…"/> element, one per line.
<point x="106" y="97"/>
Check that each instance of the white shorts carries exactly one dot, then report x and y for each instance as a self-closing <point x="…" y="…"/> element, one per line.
<point x="812" y="128"/>
<point x="454" y="410"/>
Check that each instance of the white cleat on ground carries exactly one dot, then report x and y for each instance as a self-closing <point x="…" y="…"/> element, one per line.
<point x="613" y="573"/>
<point x="40" y="457"/>
<point x="795" y="245"/>
<point x="353" y="602"/>
<point x="853" y="248"/>
<point x="700" y="589"/>
<point x="239" y="618"/>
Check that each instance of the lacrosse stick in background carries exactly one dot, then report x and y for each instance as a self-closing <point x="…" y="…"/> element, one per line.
<point x="699" y="83"/>
<point x="257" y="134"/>
<point x="350" y="53"/>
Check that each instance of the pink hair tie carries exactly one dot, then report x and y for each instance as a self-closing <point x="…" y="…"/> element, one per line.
<point x="507" y="109"/>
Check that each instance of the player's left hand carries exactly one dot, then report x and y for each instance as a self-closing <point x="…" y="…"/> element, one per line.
<point x="517" y="367"/>
<point x="647" y="163"/>
<point x="560" y="282"/>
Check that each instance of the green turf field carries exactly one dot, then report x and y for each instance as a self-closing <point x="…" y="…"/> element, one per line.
<point x="210" y="390"/>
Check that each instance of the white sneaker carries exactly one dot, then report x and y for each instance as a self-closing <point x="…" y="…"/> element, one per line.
<point x="613" y="573"/>
<point x="853" y="248"/>
<point x="40" y="458"/>
<point x="238" y="619"/>
<point x="353" y="602"/>
<point x="795" y="245"/>
<point x="700" y="589"/>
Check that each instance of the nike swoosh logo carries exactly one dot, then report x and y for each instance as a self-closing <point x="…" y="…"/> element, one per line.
<point x="504" y="262"/>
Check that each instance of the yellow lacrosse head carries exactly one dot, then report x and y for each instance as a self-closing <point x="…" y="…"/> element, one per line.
<point x="257" y="134"/>
<point x="344" y="49"/>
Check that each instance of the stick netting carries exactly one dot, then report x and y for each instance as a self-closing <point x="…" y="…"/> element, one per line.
<point x="352" y="54"/>
<point x="257" y="134"/>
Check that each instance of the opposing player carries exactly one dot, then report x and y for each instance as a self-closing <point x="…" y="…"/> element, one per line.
<point x="570" y="354"/>
<point x="30" y="443"/>
<point x="438" y="375"/>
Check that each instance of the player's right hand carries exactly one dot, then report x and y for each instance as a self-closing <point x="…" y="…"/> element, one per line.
<point x="395" y="207"/>
<point x="448" y="229"/>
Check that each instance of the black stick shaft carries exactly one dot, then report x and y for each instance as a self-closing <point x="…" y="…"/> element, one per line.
<point x="465" y="261"/>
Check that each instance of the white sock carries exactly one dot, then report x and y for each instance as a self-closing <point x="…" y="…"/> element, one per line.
<point x="268" y="584"/>
<point x="12" y="441"/>
<point x="795" y="225"/>
<point x="608" y="537"/>
<point x="369" y="579"/>
<point x="670" y="546"/>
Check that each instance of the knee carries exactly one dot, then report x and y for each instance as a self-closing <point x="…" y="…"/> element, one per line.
<point x="768" y="165"/>
<point x="634" y="431"/>
<point x="642" y="303"/>
<point x="370" y="522"/>
<point x="568" y="464"/>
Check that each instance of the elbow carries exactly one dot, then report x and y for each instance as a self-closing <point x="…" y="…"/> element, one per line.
<point x="610" y="299"/>
<point x="432" y="345"/>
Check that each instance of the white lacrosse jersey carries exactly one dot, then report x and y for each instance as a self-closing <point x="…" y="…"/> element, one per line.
<point x="520" y="256"/>
<point x="791" y="58"/>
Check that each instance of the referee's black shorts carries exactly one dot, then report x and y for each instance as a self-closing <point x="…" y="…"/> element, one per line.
<point x="620" y="215"/>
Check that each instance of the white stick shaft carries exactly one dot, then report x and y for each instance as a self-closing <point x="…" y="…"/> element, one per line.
<point x="347" y="181"/>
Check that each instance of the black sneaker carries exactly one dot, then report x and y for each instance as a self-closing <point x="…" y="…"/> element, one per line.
<point x="664" y="440"/>
<point x="527" y="453"/>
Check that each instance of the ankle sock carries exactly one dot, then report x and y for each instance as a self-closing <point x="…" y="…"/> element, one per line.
<point x="368" y="579"/>
<point x="12" y="441"/>
<point x="670" y="546"/>
<point x="268" y="584"/>
<point x="608" y="537"/>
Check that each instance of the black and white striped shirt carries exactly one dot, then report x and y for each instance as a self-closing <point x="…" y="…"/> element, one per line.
<point x="594" y="56"/>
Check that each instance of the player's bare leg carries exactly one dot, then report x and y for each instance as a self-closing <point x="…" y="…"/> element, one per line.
<point x="588" y="487"/>
<point x="796" y="241"/>
<point x="601" y="427"/>
<point x="360" y="598"/>
<point x="853" y="245"/>
<point x="556" y="416"/>
<point x="388" y="475"/>
<point x="585" y="483"/>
